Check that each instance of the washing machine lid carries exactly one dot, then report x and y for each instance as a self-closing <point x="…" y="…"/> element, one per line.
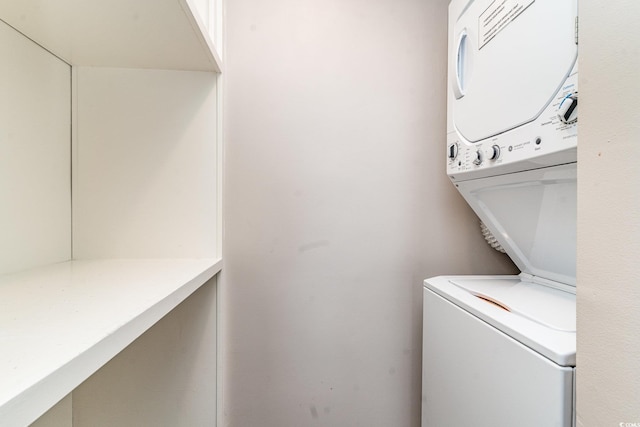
<point x="508" y="59"/>
<point x="533" y="215"/>
<point x="541" y="317"/>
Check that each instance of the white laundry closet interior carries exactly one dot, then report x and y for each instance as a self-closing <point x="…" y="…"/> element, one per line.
<point x="336" y="207"/>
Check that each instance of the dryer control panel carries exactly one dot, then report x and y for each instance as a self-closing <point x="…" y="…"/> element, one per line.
<point x="539" y="143"/>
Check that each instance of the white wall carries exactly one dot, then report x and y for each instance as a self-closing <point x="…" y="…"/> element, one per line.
<point x="337" y="206"/>
<point x="144" y="164"/>
<point x="34" y="162"/>
<point x="609" y="214"/>
<point x="165" y="378"/>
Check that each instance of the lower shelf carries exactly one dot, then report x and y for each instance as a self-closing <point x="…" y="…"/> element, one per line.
<point x="61" y="323"/>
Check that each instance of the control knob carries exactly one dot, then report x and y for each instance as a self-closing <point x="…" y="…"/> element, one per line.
<point x="494" y="153"/>
<point x="568" y="109"/>
<point x="479" y="158"/>
<point x="452" y="152"/>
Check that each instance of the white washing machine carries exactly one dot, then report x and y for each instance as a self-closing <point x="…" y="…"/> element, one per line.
<point x="500" y="351"/>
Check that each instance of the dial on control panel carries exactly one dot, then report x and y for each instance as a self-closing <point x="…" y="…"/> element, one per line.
<point x="492" y="153"/>
<point x="452" y="152"/>
<point x="479" y="158"/>
<point x="568" y="109"/>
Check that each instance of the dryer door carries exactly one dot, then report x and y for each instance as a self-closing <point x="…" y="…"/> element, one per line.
<point x="508" y="59"/>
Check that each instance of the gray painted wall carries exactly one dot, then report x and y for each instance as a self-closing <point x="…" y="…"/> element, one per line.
<point x="609" y="215"/>
<point x="337" y="206"/>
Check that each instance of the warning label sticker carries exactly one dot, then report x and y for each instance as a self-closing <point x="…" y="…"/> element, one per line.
<point x="497" y="16"/>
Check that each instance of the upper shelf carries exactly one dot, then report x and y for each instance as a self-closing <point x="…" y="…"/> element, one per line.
<point x="161" y="34"/>
<point x="60" y="323"/>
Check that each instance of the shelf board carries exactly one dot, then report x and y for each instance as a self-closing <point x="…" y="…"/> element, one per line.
<point x="60" y="323"/>
<point x="160" y="34"/>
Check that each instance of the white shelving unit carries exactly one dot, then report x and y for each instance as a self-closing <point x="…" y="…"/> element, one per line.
<point x="111" y="137"/>
<point x="161" y="34"/>
<point x="66" y="320"/>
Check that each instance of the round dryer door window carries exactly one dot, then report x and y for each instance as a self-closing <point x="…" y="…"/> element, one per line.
<point x="509" y="59"/>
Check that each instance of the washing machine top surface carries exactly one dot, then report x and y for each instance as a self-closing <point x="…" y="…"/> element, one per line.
<point x="544" y="305"/>
<point x="540" y="316"/>
<point x="511" y="59"/>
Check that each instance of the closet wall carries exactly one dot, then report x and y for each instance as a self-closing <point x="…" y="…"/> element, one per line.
<point x="337" y="207"/>
<point x="35" y="135"/>
<point x="608" y="220"/>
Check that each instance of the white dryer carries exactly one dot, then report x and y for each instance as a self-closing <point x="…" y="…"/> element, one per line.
<point x="499" y="351"/>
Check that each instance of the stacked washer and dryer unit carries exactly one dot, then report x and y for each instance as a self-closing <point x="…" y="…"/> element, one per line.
<point x="500" y="351"/>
